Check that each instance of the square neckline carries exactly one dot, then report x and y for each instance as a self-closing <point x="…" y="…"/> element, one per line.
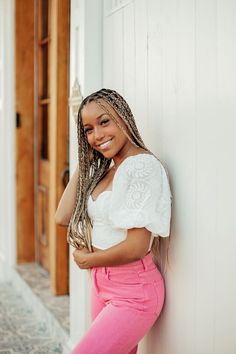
<point x="103" y="192"/>
<point x="110" y="190"/>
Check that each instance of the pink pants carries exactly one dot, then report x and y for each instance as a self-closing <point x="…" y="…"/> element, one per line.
<point x="126" y="300"/>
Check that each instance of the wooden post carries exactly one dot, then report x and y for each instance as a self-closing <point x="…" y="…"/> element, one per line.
<point x="59" y="251"/>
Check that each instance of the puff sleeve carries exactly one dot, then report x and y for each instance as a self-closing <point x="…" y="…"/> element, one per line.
<point x="141" y="196"/>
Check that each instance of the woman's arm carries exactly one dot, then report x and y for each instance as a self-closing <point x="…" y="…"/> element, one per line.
<point x="67" y="201"/>
<point x="132" y="249"/>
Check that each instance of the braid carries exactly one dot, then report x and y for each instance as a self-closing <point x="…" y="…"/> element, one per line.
<point x="93" y="165"/>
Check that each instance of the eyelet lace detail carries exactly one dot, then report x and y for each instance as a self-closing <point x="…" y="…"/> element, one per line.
<point x="141" y="195"/>
<point x="136" y="194"/>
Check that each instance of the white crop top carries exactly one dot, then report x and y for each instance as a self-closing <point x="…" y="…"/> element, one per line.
<point x="140" y="197"/>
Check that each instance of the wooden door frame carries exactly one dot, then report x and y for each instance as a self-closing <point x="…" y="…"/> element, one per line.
<point x="24" y="62"/>
<point x="26" y="172"/>
<point x="58" y="145"/>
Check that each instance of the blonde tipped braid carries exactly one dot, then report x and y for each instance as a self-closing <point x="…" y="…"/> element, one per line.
<point x="93" y="166"/>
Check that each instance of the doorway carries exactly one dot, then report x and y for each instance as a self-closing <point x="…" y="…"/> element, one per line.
<point x="42" y="134"/>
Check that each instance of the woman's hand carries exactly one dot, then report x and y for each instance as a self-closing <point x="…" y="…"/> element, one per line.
<point x="81" y="258"/>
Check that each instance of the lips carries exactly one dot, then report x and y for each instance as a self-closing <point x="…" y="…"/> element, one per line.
<point x="105" y="144"/>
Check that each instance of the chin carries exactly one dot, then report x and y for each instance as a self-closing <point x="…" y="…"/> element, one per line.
<point x="107" y="154"/>
<point x="111" y="153"/>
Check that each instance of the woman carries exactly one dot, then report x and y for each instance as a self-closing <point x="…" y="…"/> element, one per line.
<point x="116" y="203"/>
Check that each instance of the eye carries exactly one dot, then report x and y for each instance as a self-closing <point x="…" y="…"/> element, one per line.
<point x="87" y="131"/>
<point x="105" y="121"/>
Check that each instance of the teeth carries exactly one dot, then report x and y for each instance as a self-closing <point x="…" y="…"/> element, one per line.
<point x="105" y="144"/>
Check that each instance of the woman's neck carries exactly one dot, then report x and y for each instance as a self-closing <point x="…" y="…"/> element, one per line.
<point x="130" y="151"/>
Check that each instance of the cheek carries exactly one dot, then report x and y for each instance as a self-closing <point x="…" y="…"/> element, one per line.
<point x="121" y="136"/>
<point x="117" y="132"/>
<point x="89" y="138"/>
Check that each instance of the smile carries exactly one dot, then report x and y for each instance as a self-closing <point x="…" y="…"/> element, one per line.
<point x="106" y="144"/>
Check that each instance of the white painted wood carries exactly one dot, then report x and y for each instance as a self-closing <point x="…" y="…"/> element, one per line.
<point x="183" y="92"/>
<point x="108" y="71"/>
<point x="113" y="51"/>
<point x="206" y="168"/>
<point x="111" y="6"/>
<point x="155" y="77"/>
<point x="225" y="242"/>
<point x="7" y="139"/>
<point x="129" y="55"/>
<point x="141" y="58"/>
<point x="78" y="280"/>
<point x="2" y="256"/>
<point x="86" y="66"/>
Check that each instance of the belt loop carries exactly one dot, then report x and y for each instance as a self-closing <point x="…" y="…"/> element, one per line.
<point x="107" y="273"/>
<point x="145" y="261"/>
<point x="143" y="264"/>
<point x="95" y="281"/>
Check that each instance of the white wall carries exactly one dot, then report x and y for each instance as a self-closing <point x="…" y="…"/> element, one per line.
<point x="7" y="138"/>
<point x="86" y="66"/>
<point x="174" y="61"/>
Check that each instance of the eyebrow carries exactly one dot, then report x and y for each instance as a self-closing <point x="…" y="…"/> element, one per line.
<point x="97" y="118"/>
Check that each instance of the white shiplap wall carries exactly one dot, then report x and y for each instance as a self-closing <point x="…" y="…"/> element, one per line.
<point x="174" y="62"/>
<point x="7" y="139"/>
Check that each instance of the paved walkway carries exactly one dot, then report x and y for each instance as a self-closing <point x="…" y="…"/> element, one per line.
<point x="20" y="331"/>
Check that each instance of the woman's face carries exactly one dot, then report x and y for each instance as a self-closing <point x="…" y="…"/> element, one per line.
<point x="102" y="132"/>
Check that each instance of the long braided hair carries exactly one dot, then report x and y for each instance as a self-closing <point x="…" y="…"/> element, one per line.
<point x="93" y="166"/>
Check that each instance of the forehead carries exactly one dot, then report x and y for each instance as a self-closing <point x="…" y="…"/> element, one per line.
<point x="92" y="110"/>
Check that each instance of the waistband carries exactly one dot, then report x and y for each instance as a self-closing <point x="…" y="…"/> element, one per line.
<point x="142" y="264"/>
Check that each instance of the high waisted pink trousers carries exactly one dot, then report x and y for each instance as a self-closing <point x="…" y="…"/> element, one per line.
<point x="126" y="301"/>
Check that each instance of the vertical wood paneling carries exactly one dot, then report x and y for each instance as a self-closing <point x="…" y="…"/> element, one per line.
<point x="113" y="51"/>
<point x="7" y="140"/>
<point x="79" y="284"/>
<point x="225" y="242"/>
<point x="206" y="165"/>
<point x="108" y="68"/>
<point x="155" y="76"/>
<point x="179" y="132"/>
<point x="58" y="150"/>
<point x="185" y="88"/>
<point x="24" y="63"/>
<point x="2" y="142"/>
<point x="86" y="38"/>
<point x="129" y="55"/>
<point x="76" y="65"/>
<point x="141" y="83"/>
<point x="117" y="52"/>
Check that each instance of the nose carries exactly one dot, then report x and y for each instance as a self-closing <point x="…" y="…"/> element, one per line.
<point x="98" y="133"/>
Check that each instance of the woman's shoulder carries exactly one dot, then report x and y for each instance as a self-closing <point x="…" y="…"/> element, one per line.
<point x="141" y="163"/>
<point x="142" y="166"/>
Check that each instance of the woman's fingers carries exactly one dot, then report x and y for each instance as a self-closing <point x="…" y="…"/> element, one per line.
<point x="79" y="257"/>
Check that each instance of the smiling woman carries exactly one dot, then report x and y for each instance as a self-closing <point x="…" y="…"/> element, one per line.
<point x="119" y="202"/>
<point x="103" y="131"/>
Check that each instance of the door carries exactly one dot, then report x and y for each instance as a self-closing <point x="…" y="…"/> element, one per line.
<point x="42" y="66"/>
<point x="24" y="63"/>
<point x="51" y="135"/>
<point x="43" y="135"/>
